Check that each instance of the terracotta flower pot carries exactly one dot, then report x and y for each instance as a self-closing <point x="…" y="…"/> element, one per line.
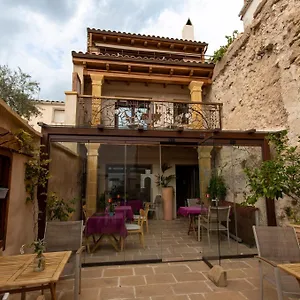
<point x="167" y="196"/>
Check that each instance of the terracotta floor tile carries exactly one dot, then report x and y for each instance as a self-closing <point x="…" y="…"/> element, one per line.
<point x="234" y="265"/>
<point x="196" y="297"/>
<point x="171" y="297"/>
<point x="116" y="293"/>
<point x="132" y="281"/>
<point x="198" y="266"/>
<point x="117" y="272"/>
<point x="91" y="294"/>
<point x="236" y="274"/>
<point x="152" y="290"/>
<point x="99" y="282"/>
<point x="224" y="296"/>
<point x="191" y="276"/>
<point x="191" y="287"/>
<point x="160" y="278"/>
<point x="171" y="269"/>
<point x="233" y="285"/>
<point x="143" y="270"/>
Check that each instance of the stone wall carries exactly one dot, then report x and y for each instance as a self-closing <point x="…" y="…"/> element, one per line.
<point x="258" y="80"/>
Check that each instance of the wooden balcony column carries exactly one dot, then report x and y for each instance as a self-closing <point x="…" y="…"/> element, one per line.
<point x="204" y="160"/>
<point x="92" y="178"/>
<point x="195" y="88"/>
<point x="97" y="81"/>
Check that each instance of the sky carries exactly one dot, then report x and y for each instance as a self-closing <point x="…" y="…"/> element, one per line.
<point x="39" y="35"/>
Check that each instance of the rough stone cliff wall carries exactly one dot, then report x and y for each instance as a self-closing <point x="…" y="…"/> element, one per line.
<point x="258" y="82"/>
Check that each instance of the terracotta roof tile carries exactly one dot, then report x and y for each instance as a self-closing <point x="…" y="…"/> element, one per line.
<point x="167" y="39"/>
<point x="138" y="58"/>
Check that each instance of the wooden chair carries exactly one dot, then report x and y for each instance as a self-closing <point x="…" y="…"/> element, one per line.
<point x="192" y="202"/>
<point x="67" y="236"/>
<point x="277" y="245"/>
<point x="136" y="228"/>
<point x="137" y="217"/>
<point x="213" y="221"/>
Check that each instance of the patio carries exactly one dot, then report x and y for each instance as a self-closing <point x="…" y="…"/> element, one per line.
<point x="166" y="281"/>
<point x="169" y="241"/>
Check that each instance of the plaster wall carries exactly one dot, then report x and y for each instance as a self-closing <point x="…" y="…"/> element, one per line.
<point x="65" y="170"/>
<point x="140" y="90"/>
<point x="21" y="222"/>
<point x="47" y="114"/>
<point x="248" y="16"/>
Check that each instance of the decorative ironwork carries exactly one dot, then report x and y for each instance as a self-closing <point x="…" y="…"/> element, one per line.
<point x="148" y="114"/>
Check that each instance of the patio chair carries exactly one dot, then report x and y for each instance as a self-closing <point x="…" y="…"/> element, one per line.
<point x="137" y="228"/>
<point x="213" y="221"/>
<point x="136" y="217"/>
<point x="67" y="236"/>
<point x="192" y="202"/>
<point x="4" y="296"/>
<point x="155" y="206"/>
<point x="277" y="245"/>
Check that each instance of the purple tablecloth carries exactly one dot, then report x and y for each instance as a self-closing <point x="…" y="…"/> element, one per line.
<point x="191" y="210"/>
<point x="126" y="211"/>
<point x="136" y="205"/>
<point x="106" y="225"/>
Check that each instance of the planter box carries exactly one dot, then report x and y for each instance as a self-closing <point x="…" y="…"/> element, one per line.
<point x="3" y="193"/>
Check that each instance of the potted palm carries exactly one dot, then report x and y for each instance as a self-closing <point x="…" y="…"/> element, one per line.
<point x="216" y="190"/>
<point x="167" y="192"/>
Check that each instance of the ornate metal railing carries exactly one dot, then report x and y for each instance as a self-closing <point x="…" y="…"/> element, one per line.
<point x="131" y="113"/>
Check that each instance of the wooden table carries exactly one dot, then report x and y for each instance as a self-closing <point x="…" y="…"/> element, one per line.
<point x="292" y="269"/>
<point x="17" y="275"/>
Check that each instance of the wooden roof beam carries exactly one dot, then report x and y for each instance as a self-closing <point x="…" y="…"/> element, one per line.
<point x="150" y="70"/>
<point x="119" y="40"/>
<point x="107" y="67"/>
<point x="129" y="69"/>
<point x="171" y="72"/>
<point x="191" y="73"/>
<point x="172" y="46"/>
<point x="132" y="41"/>
<point x="145" y="43"/>
<point x="104" y="38"/>
<point x="158" y="45"/>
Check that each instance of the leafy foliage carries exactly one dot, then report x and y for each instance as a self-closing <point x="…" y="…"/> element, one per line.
<point x="163" y="180"/>
<point x="37" y="245"/>
<point x="217" y="188"/>
<point x="58" y="209"/>
<point x="18" y="90"/>
<point x="218" y="54"/>
<point x="277" y="177"/>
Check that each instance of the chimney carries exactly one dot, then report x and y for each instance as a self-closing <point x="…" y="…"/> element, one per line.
<point x="188" y="31"/>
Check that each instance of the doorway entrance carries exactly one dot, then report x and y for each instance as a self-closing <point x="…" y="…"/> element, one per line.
<point x="187" y="183"/>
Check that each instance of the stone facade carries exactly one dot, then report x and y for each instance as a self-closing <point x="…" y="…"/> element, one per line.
<point x="258" y="80"/>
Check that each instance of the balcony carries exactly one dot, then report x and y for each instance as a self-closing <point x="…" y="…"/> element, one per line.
<point x="132" y="113"/>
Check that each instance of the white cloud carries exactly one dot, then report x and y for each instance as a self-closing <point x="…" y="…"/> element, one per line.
<point x="42" y="45"/>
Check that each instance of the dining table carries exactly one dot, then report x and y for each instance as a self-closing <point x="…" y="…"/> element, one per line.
<point x="192" y="212"/>
<point x="17" y="273"/>
<point x="104" y="225"/>
<point x="126" y="210"/>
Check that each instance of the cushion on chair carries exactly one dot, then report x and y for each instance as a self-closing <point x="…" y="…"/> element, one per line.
<point x="136" y="217"/>
<point x="132" y="226"/>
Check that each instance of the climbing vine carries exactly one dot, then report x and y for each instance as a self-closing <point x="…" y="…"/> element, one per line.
<point x="218" y="54"/>
<point x="36" y="169"/>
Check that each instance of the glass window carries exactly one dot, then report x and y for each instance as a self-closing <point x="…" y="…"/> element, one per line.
<point x="59" y="116"/>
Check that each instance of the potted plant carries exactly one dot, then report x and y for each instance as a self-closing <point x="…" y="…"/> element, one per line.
<point x="101" y="203"/>
<point x="278" y="177"/>
<point x="167" y="192"/>
<point x="58" y="209"/>
<point x="217" y="189"/>
<point x="39" y="261"/>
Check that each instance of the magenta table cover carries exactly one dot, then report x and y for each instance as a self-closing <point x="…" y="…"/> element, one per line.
<point x="136" y="205"/>
<point x="191" y="210"/>
<point x="126" y="211"/>
<point x="106" y="225"/>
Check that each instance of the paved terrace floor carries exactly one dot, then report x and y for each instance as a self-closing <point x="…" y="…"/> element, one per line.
<point x="165" y="281"/>
<point x="169" y="241"/>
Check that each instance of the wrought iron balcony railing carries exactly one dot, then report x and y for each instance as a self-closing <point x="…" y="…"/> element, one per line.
<point x="129" y="113"/>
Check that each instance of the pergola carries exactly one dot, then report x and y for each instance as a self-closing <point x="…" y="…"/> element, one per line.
<point x="251" y="138"/>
